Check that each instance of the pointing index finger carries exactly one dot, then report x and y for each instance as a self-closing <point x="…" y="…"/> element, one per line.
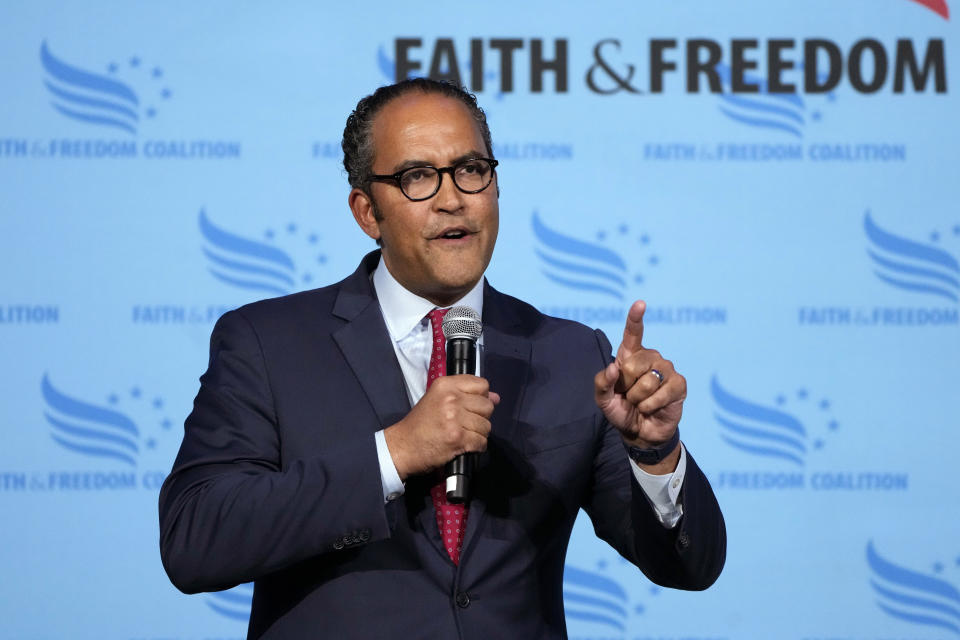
<point x="633" y="329"/>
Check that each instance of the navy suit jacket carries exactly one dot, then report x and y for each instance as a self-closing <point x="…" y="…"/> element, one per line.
<point x="277" y="479"/>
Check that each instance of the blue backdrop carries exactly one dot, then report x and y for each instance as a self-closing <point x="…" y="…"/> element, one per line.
<point x="777" y="180"/>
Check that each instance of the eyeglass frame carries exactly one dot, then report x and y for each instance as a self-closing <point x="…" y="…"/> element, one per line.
<point x="395" y="177"/>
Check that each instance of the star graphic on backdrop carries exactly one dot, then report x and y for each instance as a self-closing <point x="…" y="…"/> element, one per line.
<point x="623" y="229"/>
<point x="956" y="230"/>
<point x="113" y="399"/>
<point x="781" y="399"/>
<point x="112" y="67"/>
<point x="654" y="260"/>
<point x="818" y="444"/>
<point x="157" y="72"/>
<point x="644" y="239"/>
<point x="291" y="228"/>
<point x="816" y="115"/>
<point x="935" y="236"/>
<point x="313" y="238"/>
<point x="937" y="567"/>
<point x="151" y="444"/>
<point x="158" y="403"/>
<point x="655" y="590"/>
<point x="638" y="279"/>
<point x="639" y="609"/>
<point x="802" y="394"/>
<point x="601" y="564"/>
<point x="166" y="424"/>
<point x="833" y="425"/>
<point x="307" y="277"/>
<point x="135" y="392"/>
<point x="824" y="404"/>
<point x="269" y="234"/>
<point x="165" y="94"/>
<point x="322" y="259"/>
<point x="134" y="61"/>
<point x="601" y="235"/>
<point x="151" y="112"/>
<point x="957" y="561"/>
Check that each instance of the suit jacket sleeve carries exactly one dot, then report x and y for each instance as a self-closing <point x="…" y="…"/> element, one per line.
<point x="232" y="509"/>
<point x="688" y="556"/>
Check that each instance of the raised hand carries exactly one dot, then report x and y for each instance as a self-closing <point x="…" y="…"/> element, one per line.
<point x="643" y="406"/>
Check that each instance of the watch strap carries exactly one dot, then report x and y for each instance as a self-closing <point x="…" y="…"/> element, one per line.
<point x="653" y="455"/>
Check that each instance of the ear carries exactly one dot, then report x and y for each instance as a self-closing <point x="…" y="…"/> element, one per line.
<point x="362" y="207"/>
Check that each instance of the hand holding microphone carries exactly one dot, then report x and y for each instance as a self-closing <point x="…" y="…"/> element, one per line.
<point x="453" y="416"/>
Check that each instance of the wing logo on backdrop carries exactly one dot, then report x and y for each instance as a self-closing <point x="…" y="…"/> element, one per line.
<point x="761" y="430"/>
<point x="99" y="99"/>
<point x="596" y="280"/>
<point x="910" y="269"/>
<point x="937" y="6"/>
<point x="258" y="266"/>
<point x="778" y="439"/>
<point x="233" y="603"/>
<point x="117" y="438"/>
<point x="580" y="265"/>
<point x="89" y="429"/>
<point x="596" y="603"/>
<point x="119" y="99"/>
<point x="914" y="597"/>
<point x="780" y="112"/>
<point x="910" y="265"/>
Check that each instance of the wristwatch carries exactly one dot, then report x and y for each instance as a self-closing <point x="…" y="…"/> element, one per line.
<point x="653" y="455"/>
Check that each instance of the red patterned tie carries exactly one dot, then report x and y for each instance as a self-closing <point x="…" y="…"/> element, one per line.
<point x="451" y="518"/>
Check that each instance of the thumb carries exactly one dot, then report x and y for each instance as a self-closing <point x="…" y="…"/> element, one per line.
<point x="603" y="384"/>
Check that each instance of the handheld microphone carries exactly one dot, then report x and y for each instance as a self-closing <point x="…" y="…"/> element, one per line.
<point x="462" y="329"/>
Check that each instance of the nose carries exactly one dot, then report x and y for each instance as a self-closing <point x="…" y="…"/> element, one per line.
<point x="449" y="199"/>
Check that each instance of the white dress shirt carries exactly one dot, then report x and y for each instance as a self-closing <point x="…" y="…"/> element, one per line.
<point x="405" y="315"/>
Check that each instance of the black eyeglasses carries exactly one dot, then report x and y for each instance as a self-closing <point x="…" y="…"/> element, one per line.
<point x="420" y="183"/>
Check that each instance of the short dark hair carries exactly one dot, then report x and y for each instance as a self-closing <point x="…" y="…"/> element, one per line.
<point x="357" y="144"/>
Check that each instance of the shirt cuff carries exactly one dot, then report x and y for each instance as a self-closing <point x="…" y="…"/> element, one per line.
<point x="663" y="491"/>
<point x="389" y="478"/>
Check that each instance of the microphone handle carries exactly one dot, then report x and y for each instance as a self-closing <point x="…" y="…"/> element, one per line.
<point x="461" y="359"/>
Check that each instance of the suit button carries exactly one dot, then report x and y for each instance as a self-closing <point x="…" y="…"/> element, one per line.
<point x="683" y="540"/>
<point x="463" y="600"/>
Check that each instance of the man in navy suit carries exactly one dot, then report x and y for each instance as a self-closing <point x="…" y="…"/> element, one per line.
<point x="310" y="460"/>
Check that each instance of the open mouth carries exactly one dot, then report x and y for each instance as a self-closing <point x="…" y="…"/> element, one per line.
<point x="453" y="234"/>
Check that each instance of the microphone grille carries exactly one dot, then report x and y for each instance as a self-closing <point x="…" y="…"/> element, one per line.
<point x="462" y="322"/>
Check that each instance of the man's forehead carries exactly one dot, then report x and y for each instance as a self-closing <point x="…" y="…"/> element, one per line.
<point x="419" y="123"/>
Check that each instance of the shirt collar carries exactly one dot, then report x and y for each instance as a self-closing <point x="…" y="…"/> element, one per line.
<point x="403" y="310"/>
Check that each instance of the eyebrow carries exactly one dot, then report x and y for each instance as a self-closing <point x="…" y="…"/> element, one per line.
<point x="406" y="164"/>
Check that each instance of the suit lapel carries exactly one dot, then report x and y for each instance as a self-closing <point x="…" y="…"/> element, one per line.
<point x="365" y="344"/>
